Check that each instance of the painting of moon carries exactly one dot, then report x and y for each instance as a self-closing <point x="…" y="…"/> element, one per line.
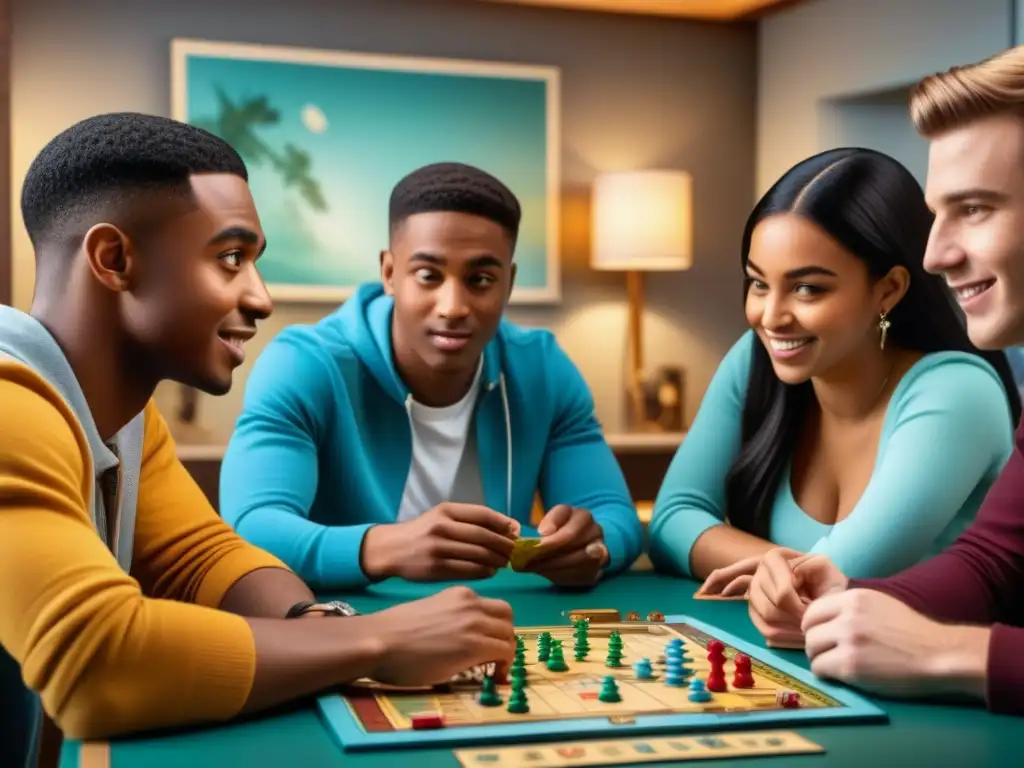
<point x="326" y="135"/>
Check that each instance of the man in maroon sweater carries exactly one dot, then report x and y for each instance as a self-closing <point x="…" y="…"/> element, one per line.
<point x="954" y="625"/>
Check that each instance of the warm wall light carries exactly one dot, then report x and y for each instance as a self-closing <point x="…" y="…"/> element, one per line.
<point x="641" y="221"/>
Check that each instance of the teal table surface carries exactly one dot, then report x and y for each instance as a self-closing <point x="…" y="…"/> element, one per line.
<point x="917" y="734"/>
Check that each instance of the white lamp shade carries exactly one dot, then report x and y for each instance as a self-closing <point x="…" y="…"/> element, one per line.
<point x="642" y="220"/>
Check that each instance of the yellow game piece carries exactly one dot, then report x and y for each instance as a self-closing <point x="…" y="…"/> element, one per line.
<point x="523" y="552"/>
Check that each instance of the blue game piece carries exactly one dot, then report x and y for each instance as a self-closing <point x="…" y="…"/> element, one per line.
<point x="642" y="669"/>
<point x="698" y="691"/>
<point x="674" y="677"/>
<point x="674" y="648"/>
<point x="675" y="663"/>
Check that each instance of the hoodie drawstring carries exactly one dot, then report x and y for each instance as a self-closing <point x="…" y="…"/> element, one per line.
<point x="508" y="446"/>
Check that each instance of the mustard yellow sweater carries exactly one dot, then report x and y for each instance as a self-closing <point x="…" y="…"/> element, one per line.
<point x="110" y="652"/>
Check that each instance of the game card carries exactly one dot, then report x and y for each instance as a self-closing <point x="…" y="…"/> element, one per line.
<point x="640" y="750"/>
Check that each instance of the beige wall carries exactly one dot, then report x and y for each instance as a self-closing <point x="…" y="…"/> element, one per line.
<point x="636" y="92"/>
<point x="826" y="50"/>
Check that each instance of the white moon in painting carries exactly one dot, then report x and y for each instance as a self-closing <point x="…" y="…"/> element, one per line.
<point x="314" y="119"/>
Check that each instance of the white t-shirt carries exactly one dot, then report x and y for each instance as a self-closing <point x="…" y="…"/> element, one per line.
<point x="445" y="465"/>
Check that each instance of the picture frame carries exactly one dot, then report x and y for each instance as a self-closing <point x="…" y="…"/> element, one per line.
<point x="327" y="134"/>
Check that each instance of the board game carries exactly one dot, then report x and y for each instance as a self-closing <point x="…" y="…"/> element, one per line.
<point x="571" y="698"/>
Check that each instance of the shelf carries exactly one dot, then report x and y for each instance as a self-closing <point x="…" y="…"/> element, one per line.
<point x="644" y="442"/>
<point x="209" y="452"/>
<point x="620" y="442"/>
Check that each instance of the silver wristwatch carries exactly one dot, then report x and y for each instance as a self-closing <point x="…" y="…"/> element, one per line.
<point x="330" y="608"/>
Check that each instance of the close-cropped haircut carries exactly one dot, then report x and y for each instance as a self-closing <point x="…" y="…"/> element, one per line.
<point x="455" y="188"/>
<point x="90" y="169"/>
<point x="960" y="95"/>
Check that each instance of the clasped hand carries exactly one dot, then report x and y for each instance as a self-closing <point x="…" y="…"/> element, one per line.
<point x="461" y="542"/>
<point x="734" y="580"/>
<point x="862" y="637"/>
<point x="572" y="552"/>
<point x="451" y="542"/>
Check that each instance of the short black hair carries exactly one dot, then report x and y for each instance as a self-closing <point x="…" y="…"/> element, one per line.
<point x="457" y="188"/>
<point x="108" y="158"/>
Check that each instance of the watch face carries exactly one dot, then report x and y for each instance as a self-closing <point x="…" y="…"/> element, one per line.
<point x="344" y="608"/>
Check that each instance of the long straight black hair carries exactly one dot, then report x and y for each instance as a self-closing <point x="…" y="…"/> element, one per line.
<point x="874" y="208"/>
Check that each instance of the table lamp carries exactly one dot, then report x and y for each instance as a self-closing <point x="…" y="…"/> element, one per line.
<point x="641" y="221"/>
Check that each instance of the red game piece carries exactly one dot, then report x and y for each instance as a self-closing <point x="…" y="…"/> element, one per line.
<point x="427" y="721"/>
<point x="788" y="699"/>
<point x="716" y="677"/>
<point x="743" y="677"/>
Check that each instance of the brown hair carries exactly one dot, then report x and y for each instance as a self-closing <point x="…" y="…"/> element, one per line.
<point x="960" y="95"/>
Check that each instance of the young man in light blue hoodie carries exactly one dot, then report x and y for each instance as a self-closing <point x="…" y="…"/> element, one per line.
<point x="406" y="434"/>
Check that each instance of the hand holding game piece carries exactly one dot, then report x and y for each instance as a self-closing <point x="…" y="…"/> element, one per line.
<point x="426" y="642"/>
<point x="873" y="641"/>
<point x="782" y="588"/>
<point x="522" y="552"/>
<point x="451" y="542"/>
<point x="734" y="580"/>
<point x="572" y="551"/>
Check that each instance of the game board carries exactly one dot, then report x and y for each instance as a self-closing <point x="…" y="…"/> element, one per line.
<point x="565" y="704"/>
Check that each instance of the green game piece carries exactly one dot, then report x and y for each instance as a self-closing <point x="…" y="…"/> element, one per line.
<point x="517" y="703"/>
<point x="614" y="650"/>
<point x="520" y="657"/>
<point x="543" y="646"/>
<point x="520" y="643"/>
<point x="614" y="658"/>
<point x="609" y="690"/>
<point x="581" y="647"/>
<point x="556" y="662"/>
<point x="517" y="674"/>
<point x="489" y="694"/>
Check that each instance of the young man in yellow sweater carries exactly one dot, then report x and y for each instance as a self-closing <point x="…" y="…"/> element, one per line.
<point x="125" y="602"/>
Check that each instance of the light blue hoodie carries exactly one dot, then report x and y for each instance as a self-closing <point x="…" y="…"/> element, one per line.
<point x="322" y="448"/>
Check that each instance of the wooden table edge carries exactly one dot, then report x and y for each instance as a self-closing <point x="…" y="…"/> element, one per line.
<point x="94" y="754"/>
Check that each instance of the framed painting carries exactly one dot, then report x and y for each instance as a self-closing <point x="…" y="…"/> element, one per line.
<point x="326" y="136"/>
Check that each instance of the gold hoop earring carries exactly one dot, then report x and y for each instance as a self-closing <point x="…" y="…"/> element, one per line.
<point x="883" y="328"/>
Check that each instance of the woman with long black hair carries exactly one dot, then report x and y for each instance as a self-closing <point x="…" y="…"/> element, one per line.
<point x="855" y="418"/>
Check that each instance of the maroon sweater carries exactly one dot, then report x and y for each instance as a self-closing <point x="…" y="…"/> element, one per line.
<point x="980" y="580"/>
